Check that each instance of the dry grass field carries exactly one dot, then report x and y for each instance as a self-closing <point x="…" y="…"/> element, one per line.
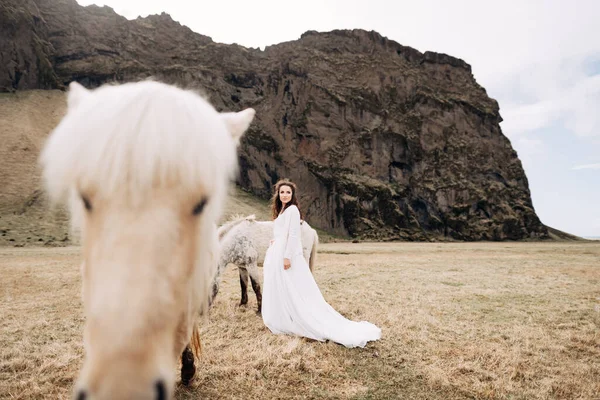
<point x="460" y="321"/>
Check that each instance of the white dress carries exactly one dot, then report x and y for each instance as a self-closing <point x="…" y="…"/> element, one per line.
<point x="292" y="302"/>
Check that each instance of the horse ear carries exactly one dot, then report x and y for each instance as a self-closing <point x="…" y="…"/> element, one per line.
<point x="76" y="94"/>
<point x="237" y="123"/>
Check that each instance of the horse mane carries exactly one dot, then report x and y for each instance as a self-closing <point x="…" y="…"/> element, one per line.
<point x="234" y="221"/>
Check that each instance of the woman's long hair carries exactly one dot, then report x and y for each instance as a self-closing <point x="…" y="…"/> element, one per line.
<point x="276" y="203"/>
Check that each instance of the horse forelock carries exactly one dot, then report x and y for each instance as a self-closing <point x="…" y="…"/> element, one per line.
<point x="133" y="139"/>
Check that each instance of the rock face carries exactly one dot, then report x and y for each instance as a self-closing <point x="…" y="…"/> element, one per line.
<point x="385" y="142"/>
<point x="24" y="51"/>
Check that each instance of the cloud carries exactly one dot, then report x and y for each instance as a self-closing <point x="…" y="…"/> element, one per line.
<point x="520" y="119"/>
<point x="559" y="93"/>
<point x="531" y="151"/>
<point x="530" y="146"/>
<point x="586" y="166"/>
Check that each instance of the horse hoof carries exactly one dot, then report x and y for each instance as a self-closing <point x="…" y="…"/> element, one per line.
<point x="188" y="369"/>
<point x="187" y="376"/>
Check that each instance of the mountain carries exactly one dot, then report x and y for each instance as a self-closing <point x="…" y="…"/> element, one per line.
<point x="385" y="142"/>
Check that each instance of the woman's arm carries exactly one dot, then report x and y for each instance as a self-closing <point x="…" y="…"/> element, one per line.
<point x="293" y="223"/>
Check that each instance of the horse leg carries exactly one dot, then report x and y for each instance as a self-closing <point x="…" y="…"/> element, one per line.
<point x="192" y="351"/>
<point x="244" y="285"/>
<point x="188" y="369"/>
<point x="255" y="279"/>
<point x="214" y="292"/>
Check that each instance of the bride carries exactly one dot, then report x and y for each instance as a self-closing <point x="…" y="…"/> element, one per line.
<point x="292" y="301"/>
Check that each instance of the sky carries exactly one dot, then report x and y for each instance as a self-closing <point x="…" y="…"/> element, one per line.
<point x="540" y="59"/>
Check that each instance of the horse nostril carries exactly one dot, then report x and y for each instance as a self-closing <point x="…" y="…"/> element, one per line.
<point x="81" y="395"/>
<point x="161" y="392"/>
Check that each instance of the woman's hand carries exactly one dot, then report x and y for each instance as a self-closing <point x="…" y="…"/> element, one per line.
<point x="287" y="263"/>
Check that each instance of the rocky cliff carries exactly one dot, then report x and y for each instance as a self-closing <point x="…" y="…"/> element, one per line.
<point x="385" y="142"/>
<point x="24" y="50"/>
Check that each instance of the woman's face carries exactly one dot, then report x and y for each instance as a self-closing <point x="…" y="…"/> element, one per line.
<point x="285" y="194"/>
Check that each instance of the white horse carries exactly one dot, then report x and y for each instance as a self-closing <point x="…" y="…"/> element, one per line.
<point x="145" y="168"/>
<point x="244" y="242"/>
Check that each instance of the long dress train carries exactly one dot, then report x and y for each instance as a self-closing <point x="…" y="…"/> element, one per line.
<point x="292" y="302"/>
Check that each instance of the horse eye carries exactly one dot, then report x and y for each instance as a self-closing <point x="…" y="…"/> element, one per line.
<point x="86" y="202"/>
<point x="199" y="207"/>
